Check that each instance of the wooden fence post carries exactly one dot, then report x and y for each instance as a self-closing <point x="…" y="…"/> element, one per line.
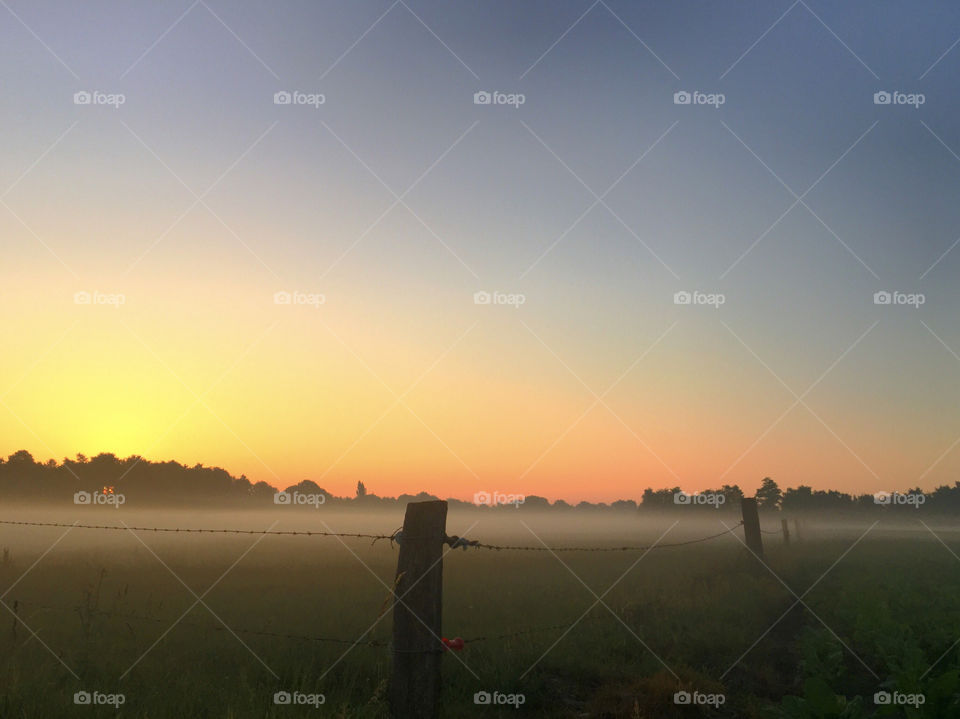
<point x="751" y="525"/>
<point x="796" y="529"/>
<point x="417" y="606"/>
<point x="786" y="532"/>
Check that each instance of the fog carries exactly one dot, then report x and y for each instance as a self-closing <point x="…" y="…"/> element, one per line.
<point x="521" y="527"/>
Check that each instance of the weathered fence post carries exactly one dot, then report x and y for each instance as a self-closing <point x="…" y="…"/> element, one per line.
<point x="796" y="529"/>
<point x="786" y="532"/>
<point x="417" y="606"/>
<point x="751" y="525"/>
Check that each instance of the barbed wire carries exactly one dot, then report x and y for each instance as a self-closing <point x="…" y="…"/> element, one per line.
<point x="187" y="530"/>
<point x="397" y="536"/>
<point x="458" y="541"/>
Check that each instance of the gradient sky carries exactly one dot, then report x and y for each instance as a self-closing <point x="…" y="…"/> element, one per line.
<point x="398" y="198"/>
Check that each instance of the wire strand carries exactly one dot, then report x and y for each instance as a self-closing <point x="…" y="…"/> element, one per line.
<point x="665" y="545"/>
<point x="199" y="531"/>
<point x="397" y="536"/>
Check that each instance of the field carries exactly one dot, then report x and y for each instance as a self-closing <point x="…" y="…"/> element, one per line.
<point x="876" y="615"/>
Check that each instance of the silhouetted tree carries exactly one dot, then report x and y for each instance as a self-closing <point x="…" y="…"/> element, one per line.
<point x="534" y="502"/>
<point x="769" y="494"/>
<point x="732" y="493"/>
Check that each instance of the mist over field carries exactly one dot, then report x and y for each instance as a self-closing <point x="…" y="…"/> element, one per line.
<point x="281" y="612"/>
<point x="416" y="359"/>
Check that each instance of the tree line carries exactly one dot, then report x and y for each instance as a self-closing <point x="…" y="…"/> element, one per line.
<point x="146" y="483"/>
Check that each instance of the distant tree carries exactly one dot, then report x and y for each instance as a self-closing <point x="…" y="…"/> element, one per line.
<point x="732" y="493"/>
<point x="308" y="486"/>
<point x="21" y="458"/>
<point x="658" y="498"/>
<point x="361" y="490"/>
<point x="261" y="490"/>
<point x="533" y="501"/>
<point x="797" y="499"/>
<point x="769" y="494"/>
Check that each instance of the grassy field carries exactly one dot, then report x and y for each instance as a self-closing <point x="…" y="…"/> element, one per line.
<point x="697" y="618"/>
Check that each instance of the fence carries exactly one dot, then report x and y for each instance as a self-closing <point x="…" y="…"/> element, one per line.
<point x="417" y="644"/>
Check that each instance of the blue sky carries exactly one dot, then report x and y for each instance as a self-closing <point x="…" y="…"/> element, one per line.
<point x="598" y="199"/>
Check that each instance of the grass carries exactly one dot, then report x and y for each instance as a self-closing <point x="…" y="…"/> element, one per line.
<point x="696" y="617"/>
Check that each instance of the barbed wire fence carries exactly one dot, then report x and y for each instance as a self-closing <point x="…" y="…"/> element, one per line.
<point x="453" y="542"/>
<point x="416" y="594"/>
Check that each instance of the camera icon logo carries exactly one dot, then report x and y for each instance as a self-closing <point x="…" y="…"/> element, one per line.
<point x="882" y="98"/>
<point x="882" y="498"/>
<point x="681" y="498"/>
<point x="281" y="498"/>
<point x="681" y="98"/>
<point x="482" y="298"/>
<point x="682" y="697"/>
<point x="482" y="698"/>
<point x="482" y="98"/>
<point x="682" y="298"/>
<point x="282" y="698"/>
<point x="81" y="298"/>
<point x="882" y="698"/>
<point x="82" y="497"/>
<point x="282" y="98"/>
<point x="282" y="298"/>
<point x="482" y="498"/>
<point x="82" y="98"/>
<point x="882" y="298"/>
<point x="81" y="698"/>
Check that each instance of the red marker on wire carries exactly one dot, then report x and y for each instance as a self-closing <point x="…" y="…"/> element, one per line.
<point x="456" y="643"/>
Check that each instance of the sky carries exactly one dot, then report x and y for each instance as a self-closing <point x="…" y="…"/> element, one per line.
<point x="194" y="269"/>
